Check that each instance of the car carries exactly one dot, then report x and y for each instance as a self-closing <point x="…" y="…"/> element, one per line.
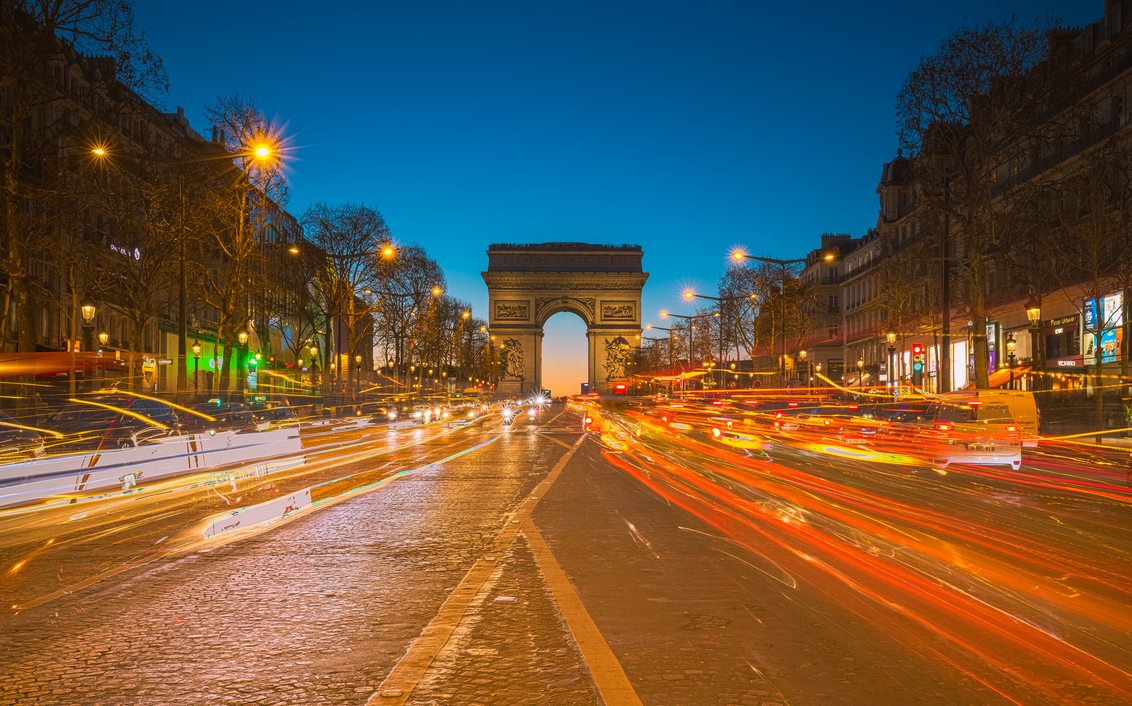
<point x="847" y="424"/>
<point x="107" y="422"/>
<point x="1019" y="405"/>
<point x="18" y="442"/>
<point x="225" y="417"/>
<point x="965" y="428"/>
<point x="274" y="415"/>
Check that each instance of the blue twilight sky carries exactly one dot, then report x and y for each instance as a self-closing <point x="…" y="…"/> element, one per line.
<point x="685" y="127"/>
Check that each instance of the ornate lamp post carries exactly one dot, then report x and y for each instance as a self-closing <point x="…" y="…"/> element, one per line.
<point x="314" y="362"/>
<point x="103" y="338"/>
<point x="860" y="373"/>
<point x="357" y="374"/>
<point x="805" y="364"/>
<point x="1034" y="314"/>
<point x="87" y="309"/>
<point x="196" y="367"/>
<point x="1010" y="343"/>
<point x="241" y="362"/>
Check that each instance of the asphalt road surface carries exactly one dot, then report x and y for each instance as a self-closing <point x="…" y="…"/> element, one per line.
<point x="534" y="564"/>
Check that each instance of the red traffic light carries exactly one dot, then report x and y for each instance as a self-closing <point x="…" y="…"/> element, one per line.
<point x="917" y="349"/>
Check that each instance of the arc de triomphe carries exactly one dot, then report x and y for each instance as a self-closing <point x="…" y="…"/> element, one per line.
<point x="527" y="284"/>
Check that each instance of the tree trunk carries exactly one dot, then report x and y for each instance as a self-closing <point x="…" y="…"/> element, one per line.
<point x="979" y="317"/>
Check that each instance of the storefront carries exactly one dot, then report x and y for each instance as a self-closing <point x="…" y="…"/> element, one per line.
<point x="1063" y="345"/>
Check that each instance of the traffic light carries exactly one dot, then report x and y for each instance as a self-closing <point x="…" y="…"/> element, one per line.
<point x="917" y="364"/>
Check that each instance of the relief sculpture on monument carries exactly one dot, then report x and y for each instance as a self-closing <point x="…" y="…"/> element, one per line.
<point x="511" y="311"/>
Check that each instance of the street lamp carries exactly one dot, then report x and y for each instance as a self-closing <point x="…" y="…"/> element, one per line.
<point x="103" y="338"/>
<point x="806" y="363"/>
<point x="719" y="314"/>
<point x="314" y="355"/>
<point x="1034" y="314"/>
<point x="86" y="306"/>
<point x="740" y="255"/>
<point x="892" y="379"/>
<point x="357" y="373"/>
<point x="242" y="360"/>
<point x="196" y="367"/>
<point x="1010" y="343"/>
<point x="860" y="373"/>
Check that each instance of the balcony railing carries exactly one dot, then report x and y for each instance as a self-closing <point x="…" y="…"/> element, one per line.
<point x="1101" y="132"/>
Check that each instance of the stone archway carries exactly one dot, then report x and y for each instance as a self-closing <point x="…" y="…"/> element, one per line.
<point x="527" y="284"/>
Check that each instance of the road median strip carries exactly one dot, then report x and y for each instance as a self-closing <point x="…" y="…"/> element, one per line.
<point x="402" y="680"/>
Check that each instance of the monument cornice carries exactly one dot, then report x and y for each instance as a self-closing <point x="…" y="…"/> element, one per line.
<point x="566" y="281"/>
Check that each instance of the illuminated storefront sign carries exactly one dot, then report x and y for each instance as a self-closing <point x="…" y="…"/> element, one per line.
<point x="1108" y="319"/>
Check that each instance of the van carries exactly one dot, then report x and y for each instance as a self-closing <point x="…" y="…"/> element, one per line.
<point x="1020" y="408"/>
<point x="966" y="427"/>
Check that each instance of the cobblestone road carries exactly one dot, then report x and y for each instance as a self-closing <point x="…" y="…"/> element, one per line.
<point x="322" y="609"/>
<point x="316" y="611"/>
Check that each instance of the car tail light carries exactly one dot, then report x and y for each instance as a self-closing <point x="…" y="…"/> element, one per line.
<point x="589" y="420"/>
<point x="974" y="403"/>
<point x="777" y="415"/>
<point x="1011" y="428"/>
<point x="791" y="404"/>
<point x="944" y="427"/>
<point x="717" y="403"/>
<point x="715" y="432"/>
<point x="852" y="406"/>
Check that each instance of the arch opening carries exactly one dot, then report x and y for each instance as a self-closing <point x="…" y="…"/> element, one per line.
<point x="565" y="352"/>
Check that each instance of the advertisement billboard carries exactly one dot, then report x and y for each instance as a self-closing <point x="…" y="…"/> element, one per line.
<point x="1113" y="311"/>
<point x="1110" y="345"/>
<point x="1108" y="318"/>
<point x="1091" y="315"/>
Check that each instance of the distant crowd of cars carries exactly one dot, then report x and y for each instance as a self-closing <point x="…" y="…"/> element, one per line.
<point x="113" y="420"/>
<point x="978" y="427"/>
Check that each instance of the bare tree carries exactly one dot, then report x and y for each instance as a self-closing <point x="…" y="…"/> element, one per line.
<point x="244" y="198"/>
<point x="354" y="239"/>
<point x="1094" y="218"/>
<point x="42" y="44"/>
<point x="969" y="114"/>
<point x="406" y="292"/>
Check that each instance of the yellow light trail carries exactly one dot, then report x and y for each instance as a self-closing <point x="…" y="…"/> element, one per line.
<point x="171" y="404"/>
<point x="112" y="408"/>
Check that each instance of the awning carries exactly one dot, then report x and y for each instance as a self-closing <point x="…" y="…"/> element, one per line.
<point x="1001" y="377"/>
